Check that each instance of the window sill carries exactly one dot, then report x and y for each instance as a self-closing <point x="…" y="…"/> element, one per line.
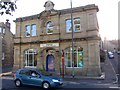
<point x="30" y="67"/>
<point x="47" y="34"/>
<point x="74" y="32"/>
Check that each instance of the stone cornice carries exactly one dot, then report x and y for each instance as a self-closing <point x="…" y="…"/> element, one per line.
<point x="61" y="40"/>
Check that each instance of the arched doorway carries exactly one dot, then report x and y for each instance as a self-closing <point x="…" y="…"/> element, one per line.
<point x="50" y="63"/>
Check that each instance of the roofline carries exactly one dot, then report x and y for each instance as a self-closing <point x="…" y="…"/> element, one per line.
<point x="59" y="12"/>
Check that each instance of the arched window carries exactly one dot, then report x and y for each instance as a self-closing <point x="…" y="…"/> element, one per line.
<point x="78" y="57"/>
<point x="30" y="57"/>
<point x="49" y="27"/>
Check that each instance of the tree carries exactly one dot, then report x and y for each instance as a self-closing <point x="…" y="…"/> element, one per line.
<point x="7" y="7"/>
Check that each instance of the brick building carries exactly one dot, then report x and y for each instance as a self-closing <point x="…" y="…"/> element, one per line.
<point x="40" y="40"/>
<point x="6" y="45"/>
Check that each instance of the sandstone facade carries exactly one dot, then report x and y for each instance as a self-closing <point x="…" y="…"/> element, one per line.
<point x="45" y="45"/>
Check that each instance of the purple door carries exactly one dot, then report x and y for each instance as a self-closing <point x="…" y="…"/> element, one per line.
<point x="50" y="63"/>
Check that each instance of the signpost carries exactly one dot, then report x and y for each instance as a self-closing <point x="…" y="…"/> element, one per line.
<point x="72" y="40"/>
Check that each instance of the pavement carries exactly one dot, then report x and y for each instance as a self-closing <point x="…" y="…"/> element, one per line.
<point x="108" y="74"/>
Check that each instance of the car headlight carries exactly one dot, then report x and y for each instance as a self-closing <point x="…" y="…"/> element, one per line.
<point x="55" y="80"/>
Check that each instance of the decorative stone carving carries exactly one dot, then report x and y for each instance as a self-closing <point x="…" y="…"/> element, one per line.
<point x="49" y="5"/>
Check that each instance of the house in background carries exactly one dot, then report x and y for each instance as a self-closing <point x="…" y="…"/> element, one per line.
<point x="111" y="45"/>
<point x="6" y="45"/>
<point x="42" y="39"/>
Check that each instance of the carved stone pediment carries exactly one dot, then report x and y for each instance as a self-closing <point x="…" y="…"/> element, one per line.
<point x="49" y="5"/>
<point x="46" y="15"/>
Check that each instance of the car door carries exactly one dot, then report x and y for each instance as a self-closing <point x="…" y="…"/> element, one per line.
<point x="35" y="80"/>
<point x="25" y="77"/>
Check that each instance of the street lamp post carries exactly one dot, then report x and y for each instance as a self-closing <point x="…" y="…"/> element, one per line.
<point x="72" y="40"/>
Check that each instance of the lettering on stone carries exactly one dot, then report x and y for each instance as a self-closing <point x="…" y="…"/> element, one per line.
<point x="49" y="45"/>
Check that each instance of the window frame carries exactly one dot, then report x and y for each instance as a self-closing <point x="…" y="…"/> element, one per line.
<point x="51" y="28"/>
<point x="30" y="54"/>
<point x="68" y="26"/>
<point x="68" y="62"/>
<point x="4" y="30"/>
<point x="74" y="25"/>
<point x="27" y="31"/>
<point x="32" y="29"/>
<point x="3" y="56"/>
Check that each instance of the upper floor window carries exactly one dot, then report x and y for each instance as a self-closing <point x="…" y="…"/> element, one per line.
<point x="34" y="30"/>
<point x="27" y="30"/>
<point x="2" y="30"/>
<point x="49" y="27"/>
<point x="76" y="25"/>
<point x="68" y="26"/>
<point x="30" y="30"/>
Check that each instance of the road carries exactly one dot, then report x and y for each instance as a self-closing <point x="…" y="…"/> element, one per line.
<point x="114" y="62"/>
<point x="8" y="84"/>
<point x="116" y="66"/>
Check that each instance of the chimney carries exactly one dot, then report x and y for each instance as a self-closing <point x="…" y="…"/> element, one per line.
<point x="7" y="23"/>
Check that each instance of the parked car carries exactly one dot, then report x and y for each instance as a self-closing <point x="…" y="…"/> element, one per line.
<point x="118" y="52"/>
<point x="110" y="55"/>
<point x="30" y="76"/>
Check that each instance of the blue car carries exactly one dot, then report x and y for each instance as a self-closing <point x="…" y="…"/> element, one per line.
<point x="29" y="76"/>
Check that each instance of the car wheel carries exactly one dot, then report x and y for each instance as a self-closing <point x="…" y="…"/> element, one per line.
<point x="18" y="83"/>
<point x="45" y="85"/>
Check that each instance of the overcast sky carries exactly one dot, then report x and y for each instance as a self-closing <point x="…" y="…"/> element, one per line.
<point x="107" y="15"/>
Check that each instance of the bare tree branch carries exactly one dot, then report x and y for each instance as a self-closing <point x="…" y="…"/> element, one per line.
<point x="7" y="7"/>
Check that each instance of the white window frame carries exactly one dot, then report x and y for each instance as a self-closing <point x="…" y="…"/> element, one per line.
<point x="73" y="25"/>
<point x="49" y="27"/>
<point x="4" y="30"/>
<point x="3" y="56"/>
<point x="32" y="30"/>
<point x="27" y="30"/>
<point x="27" y="53"/>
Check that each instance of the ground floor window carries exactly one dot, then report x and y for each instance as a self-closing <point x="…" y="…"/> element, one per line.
<point x="30" y="57"/>
<point x="78" y="57"/>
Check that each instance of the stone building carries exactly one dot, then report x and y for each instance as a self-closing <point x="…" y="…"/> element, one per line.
<point x="6" y="45"/>
<point x="41" y="40"/>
